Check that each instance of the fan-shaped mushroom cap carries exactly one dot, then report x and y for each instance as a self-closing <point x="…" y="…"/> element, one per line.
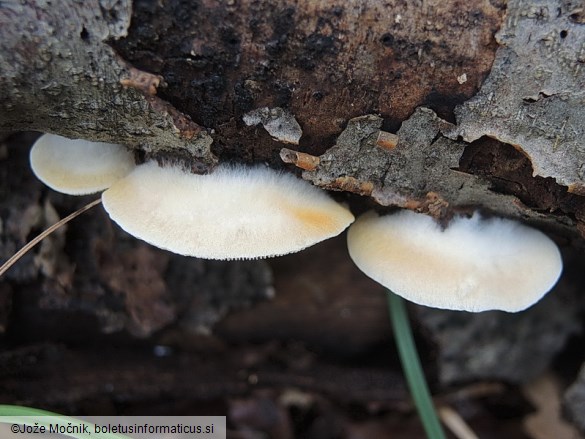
<point x="79" y="167"/>
<point x="233" y="213"/>
<point x="475" y="264"/>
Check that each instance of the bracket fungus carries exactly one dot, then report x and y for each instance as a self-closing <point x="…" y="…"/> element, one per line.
<point x="79" y="167"/>
<point x="235" y="212"/>
<point x="475" y="264"/>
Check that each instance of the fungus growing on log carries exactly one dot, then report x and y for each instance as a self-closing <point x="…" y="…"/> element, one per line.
<point x="235" y="212"/>
<point x="475" y="264"/>
<point x="79" y="167"/>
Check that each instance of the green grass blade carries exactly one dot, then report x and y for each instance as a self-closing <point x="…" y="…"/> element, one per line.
<point x="13" y="414"/>
<point x="412" y="367"/>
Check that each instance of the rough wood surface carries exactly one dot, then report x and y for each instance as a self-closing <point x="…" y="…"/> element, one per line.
<point x="325" y="62"/>
<point x="171" y="78"/>
<point x="59" y="75"/>
<point x="534" y="97"/>
<point x="374" y="88"/>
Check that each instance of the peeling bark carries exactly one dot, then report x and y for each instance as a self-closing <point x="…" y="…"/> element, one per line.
<point x="534" y="97"/>
<point x="143" y="82"/>
<point x="324" y="62"/>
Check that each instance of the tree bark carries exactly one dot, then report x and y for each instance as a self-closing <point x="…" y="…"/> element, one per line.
<point x="74" y="70"/>
<point x="59" y="75"/>
<point x="440" y="107"/>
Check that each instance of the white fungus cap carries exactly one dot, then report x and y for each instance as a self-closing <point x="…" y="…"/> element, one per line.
<point x="475" y="264"/>
<point x="233" y="213"/>
<point x="79" y="167"/>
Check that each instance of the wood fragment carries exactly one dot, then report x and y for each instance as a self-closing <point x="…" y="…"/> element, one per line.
<point x="455" y="423"/>
<point x="545" y="393"/>
<point x="387" y="140"/>
<point x="577" y="189"/>
<point x="186" y="128"/>
<point x="433" y="204"/>
<point x="144" y="82"/>
<point x="301" y="160"/>
<point x="351" y="184"/>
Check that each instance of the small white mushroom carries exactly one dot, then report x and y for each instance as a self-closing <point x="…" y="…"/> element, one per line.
<point x="79" y="167"/>
<point x="234" y="213"/>
<point x="475" y="264"/>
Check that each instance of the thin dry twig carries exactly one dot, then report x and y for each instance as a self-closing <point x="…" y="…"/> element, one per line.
<point x="20" y="253"/>
<point x="455" y="423"/>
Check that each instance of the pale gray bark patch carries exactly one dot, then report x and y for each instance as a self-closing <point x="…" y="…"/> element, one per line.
<point x="422" y="161"/>
<point x="534" y="96"/>
<point x="279" y="123"/>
